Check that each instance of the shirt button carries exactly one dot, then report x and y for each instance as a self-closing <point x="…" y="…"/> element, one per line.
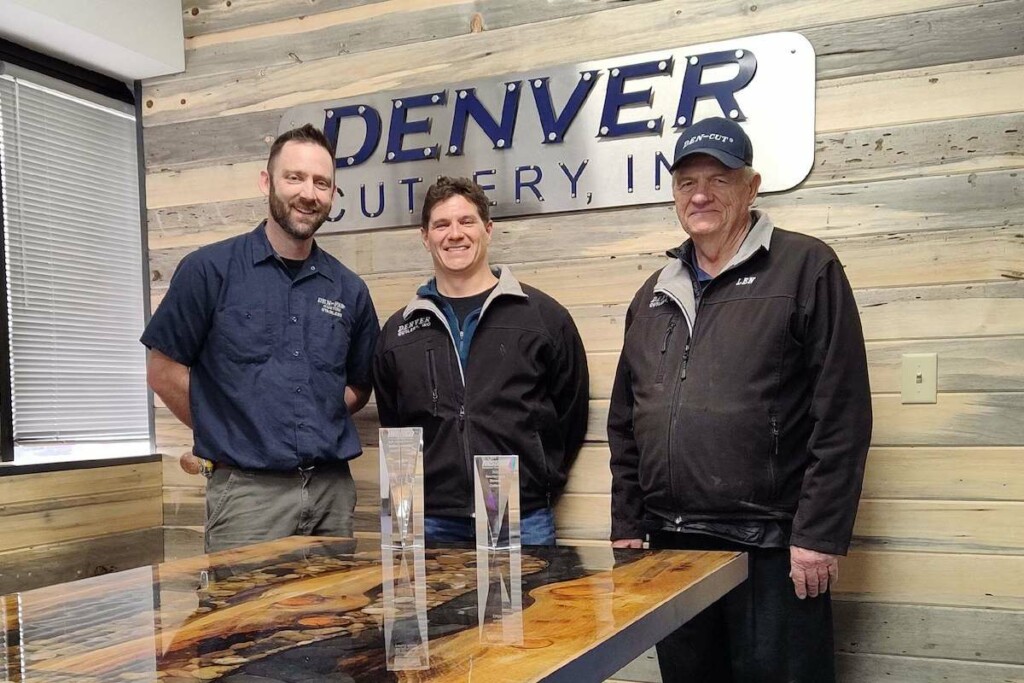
<point x="298" y="390"/>
<point x="295" y="353"/>
<point x="295" y="319"/>
<point x="301" y="425"/>
<point x="312" y="267"/>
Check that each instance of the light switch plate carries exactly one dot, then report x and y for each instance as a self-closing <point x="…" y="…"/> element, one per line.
<point x="919" y="377"/>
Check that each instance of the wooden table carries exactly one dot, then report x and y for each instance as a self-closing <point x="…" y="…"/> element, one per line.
<point x="310" y="609"/>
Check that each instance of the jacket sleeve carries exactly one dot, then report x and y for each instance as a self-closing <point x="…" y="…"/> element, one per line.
<point x="570" y="390"/>
<point x="385" y="384"/>
<point x="840" y="408"/>
<point x="627" y="498"/>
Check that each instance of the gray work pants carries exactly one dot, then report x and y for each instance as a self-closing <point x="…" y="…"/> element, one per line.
<point x="247" y="506"/>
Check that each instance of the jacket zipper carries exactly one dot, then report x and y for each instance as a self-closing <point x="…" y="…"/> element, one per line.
<point x="660" y="377"/>
<point x="772" y="458"/>
<point x="432" y="372"/>
<point x="673" y="409"/>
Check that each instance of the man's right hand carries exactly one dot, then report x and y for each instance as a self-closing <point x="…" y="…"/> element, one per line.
<point x="628" y="543"/>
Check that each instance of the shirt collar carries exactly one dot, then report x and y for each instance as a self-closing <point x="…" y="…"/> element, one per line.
<point x="263" y="251"/>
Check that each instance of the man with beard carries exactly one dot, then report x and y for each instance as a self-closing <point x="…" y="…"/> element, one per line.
<point x="262" y="345"/>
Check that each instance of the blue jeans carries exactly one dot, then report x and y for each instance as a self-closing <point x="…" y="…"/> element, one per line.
<point x="535" y="528"/>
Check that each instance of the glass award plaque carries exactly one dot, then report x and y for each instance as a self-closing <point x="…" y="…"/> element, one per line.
<point x="499" y="594"/>
<point x="406" y="645"/>
<point x="496" y="490"/>
<point x="401" y="487"/>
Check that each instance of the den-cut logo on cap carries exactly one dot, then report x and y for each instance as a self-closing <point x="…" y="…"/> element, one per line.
<point x="570" y="137"/>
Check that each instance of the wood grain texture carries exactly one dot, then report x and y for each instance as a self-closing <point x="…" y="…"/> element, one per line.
<point x="941" y="526"/>
<point x="894" y="209"/>
<point x="960" y="91"/>
<point x="319" y="602"/>
<point x="490" y="53"/>
<point x="44" y="565"/>
<point x="890" y="43"/>
<point x="944" y="473"/>
<point x="992" y="635"/>
<point x="50" y="486"/>
<point x="81" y="517"/>
<point x="962" y="527"/>
<point x="969" y="473"/>
<point x="985" y="364"/>
<point x="363" y="28"/>
<point x="870" y="668"/>
<point x="991" y="581"/>
<point x="981" y="419"/>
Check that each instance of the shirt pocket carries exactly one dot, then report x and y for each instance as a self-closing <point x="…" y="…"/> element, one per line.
<point x="244" y="333"/>
<point x="328" y="341"/>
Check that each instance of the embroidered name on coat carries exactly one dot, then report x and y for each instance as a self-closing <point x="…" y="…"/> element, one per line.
<point x="413" y="325"/>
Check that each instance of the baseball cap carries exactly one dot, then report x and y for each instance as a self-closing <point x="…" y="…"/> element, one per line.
<point x="721" y="138"/>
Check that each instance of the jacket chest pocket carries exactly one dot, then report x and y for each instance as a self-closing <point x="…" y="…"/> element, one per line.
<point x="653" y="345"/>
<point x="328" y="341"/>
<point x="243" y="332"/>
<point x="432" y="384"/>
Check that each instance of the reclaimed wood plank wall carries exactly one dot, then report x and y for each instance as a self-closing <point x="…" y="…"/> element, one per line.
<point x="916" y="183"/>
<point x="72" y="524"/>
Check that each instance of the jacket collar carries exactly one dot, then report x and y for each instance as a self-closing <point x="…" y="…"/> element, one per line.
<point x="674" y="279"/>
<point x="427" y="295"/>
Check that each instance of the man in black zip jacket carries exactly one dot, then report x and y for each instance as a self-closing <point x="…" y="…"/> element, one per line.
<point x="740" y="419"/>
<point x="486" y="366"/>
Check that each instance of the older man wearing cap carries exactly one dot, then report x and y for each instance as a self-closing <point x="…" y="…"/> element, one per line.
<point x="740" y="419"/>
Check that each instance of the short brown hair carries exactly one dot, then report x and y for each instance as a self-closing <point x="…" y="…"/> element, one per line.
<point x="307" y="133"/>
<point x="445" y="188"/>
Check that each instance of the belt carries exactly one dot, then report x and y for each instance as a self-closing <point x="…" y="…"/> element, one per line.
<point x="207" y="467"/>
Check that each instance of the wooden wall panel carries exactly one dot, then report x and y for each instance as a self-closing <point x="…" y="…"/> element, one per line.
<point x="905" y="213"/>
<point x="928" y="631"/>
<point x="917" y="185"/>
<point x="63" y="525"/>
<point x="901" y="93"/>
<point x="51" y="563"/>
<point x="531" y="46"/>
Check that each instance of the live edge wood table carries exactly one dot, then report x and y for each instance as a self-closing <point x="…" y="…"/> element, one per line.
<point x="308" y="609"/>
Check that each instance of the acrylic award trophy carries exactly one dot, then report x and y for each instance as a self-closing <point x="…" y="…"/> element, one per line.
<point x="499" y="595"/>
<point x="406" y="645"/>
<point x="496" y="488"/>
<point x="401" y="487"/>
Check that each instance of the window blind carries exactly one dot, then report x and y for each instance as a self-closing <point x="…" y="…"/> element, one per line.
<point x="72" y="239"/>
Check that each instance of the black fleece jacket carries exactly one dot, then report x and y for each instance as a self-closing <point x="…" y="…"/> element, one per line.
<point x="525" y="392"/>
<point x="746" y="407"/>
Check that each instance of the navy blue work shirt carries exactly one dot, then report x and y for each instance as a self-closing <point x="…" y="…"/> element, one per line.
<point x="270" y="356"/>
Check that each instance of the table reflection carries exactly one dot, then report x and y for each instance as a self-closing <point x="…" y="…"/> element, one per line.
<point x="304" y="609"/>
<point x="499" y="595"/>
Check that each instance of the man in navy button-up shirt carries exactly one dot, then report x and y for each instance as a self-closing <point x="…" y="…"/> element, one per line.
<point x="262" y="345"/>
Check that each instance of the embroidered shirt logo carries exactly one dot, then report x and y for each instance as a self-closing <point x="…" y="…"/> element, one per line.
<point x="657" y="300"/>
<point x="413" y="325"/>
<point x="330" y="307"/>
<point x="745" y="280"/>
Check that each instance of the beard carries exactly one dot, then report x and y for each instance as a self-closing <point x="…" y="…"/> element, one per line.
<point x="306" y="227"/>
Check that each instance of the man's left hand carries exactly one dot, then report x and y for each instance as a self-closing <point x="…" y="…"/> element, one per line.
<point x="812" y="571"/>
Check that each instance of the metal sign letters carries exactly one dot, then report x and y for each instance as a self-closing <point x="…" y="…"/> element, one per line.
<point x="567" y="138"/>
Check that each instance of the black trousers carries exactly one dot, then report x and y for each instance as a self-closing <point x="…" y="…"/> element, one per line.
<point x="758" y="632"/>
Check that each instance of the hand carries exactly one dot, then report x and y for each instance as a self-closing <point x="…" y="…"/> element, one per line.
<point x="812" y="571"/>
<point x="628" y="543"/>
<point x="189" y="463"/>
